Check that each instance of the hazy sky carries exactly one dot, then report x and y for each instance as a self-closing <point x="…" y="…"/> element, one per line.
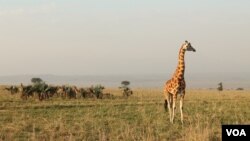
<point x="79" y="37"/>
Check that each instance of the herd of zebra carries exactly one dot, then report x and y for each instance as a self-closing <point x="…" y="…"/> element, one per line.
<point x="44" y="91"/>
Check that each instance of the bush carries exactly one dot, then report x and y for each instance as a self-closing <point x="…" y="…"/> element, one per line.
<point x="97" y="90"/>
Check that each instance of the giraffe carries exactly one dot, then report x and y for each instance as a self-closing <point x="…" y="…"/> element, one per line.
<point x="176" y="85"/>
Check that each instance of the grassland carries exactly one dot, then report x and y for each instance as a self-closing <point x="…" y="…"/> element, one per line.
<point x="140" y="117"/>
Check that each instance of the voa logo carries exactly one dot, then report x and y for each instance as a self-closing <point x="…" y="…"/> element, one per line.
<point x="236" y="132"/>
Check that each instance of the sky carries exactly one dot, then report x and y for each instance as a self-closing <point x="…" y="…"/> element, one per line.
<point x="97" y="37"/>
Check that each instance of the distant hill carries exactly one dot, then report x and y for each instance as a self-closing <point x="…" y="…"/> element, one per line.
<point x="147" y="80"/>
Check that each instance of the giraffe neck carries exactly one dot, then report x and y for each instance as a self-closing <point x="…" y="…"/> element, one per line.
<point x="180" y="70"/>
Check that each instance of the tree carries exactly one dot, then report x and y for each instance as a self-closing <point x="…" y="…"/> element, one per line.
<point x="220" y="87"/>
<point x="125" y="88"/>
<point x="39" y="87"/>
<point x="36" y="80"/>
<point x="125" y="83"/>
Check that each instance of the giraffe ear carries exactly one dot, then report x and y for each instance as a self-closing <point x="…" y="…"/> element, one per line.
<point x="186" y="41"/>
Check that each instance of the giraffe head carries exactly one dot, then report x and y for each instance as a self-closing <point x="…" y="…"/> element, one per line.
<point x="188" y="47"/>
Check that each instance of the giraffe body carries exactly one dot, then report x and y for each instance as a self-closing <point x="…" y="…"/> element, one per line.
<point x="177" y="85"/>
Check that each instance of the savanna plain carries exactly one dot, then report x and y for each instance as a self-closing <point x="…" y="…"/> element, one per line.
<point x="139" y="117"/>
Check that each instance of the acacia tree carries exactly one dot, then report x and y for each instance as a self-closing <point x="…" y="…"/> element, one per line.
<point x="39" y="87"/>
<point x="126" y="91"/>
<point x="36" y="80"/>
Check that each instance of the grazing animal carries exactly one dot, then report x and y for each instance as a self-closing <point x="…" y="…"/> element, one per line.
<point x="12" y="89"/>
<point x="86" y="93"/>
<point x="51" y="90"/>
<point x="107" y="96"/>
<point x="75" y="91"/>
<point x="127" y="92"/>
<point x="61" y="91"/>
<point x="26" y="91"/>
<point x="68" y="91"/>
<point x="31" y="90"/>
<point x="176" y="85"/>
<point x="240" y="89"/>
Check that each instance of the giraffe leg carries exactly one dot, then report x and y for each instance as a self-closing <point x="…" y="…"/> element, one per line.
<point x="181" y="106"/>
<point x="174" y="107"/>
<point x="168" y="104"/>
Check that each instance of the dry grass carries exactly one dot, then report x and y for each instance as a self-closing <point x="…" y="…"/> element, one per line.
<point x="140" y="117"/>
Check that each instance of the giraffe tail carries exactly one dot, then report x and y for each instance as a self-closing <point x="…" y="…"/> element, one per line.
<point x="166" y="105"/>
